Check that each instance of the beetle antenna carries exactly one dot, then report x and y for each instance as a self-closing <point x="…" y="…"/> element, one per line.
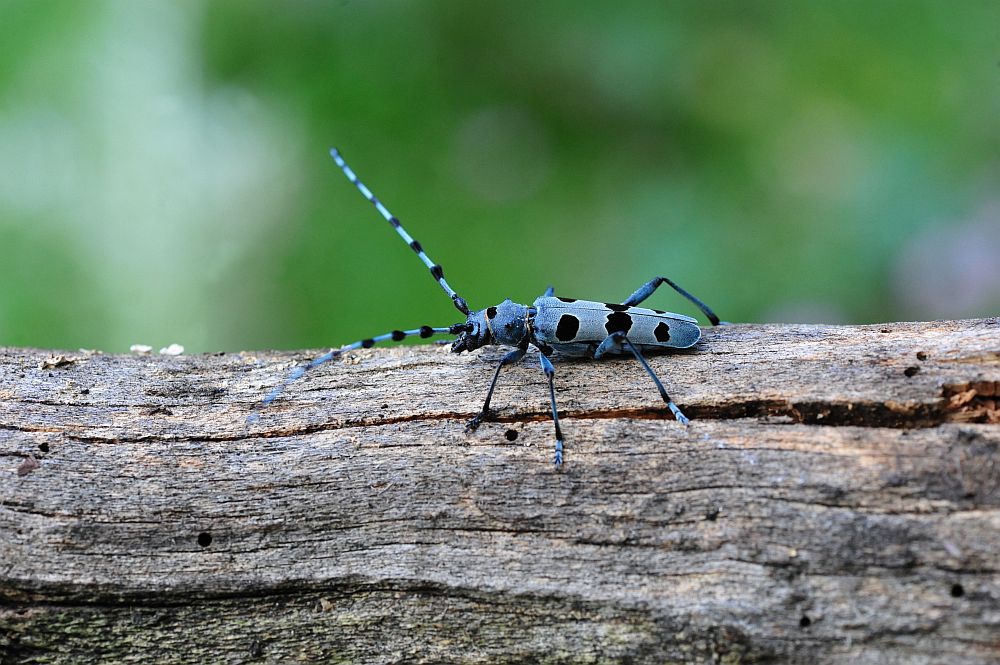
<point x="332" y="354"/>
<point x="436" y="271"/>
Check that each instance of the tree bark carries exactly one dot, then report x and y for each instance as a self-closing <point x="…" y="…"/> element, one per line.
<point x="835" y="499"/>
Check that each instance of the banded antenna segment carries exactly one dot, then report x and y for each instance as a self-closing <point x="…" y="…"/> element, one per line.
<point x="394" y="336"/>
<point x="436" y="272"/>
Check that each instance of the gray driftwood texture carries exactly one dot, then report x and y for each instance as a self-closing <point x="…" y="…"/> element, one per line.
<point x="836" y="499"/>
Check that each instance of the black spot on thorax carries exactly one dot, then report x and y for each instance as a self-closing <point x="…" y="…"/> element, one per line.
<point x="566" y="299"/>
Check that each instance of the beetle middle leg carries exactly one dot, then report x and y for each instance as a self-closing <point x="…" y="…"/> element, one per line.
<point x="647" y="289"/>
<point x="550" y="372"/>
<point x="614" y="343"/>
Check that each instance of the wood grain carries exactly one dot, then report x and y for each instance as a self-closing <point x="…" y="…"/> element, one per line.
<point x="835" y="499"/>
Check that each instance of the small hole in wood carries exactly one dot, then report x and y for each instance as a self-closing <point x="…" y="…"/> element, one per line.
<point x="885" y="330"/>
<point x="805" y="621"/>
<point x="204" y="539"/>
<point x="510" y="435"/>
<point x="957" y="591"/>
<point x="921" y="355"/>
<point x="911" y="371"/>
<point x="712" y="514"/>
<point x="44" y="446"/>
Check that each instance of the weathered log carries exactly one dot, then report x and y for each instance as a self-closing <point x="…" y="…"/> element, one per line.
<point x="836" y="498"/>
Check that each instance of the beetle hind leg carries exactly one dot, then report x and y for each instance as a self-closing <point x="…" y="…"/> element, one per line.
<point x="647" y="289"/>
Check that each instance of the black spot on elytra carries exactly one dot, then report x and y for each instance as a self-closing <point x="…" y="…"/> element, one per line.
<point x="367" y="343"/>
<point x="491" y="312"/>
<point x="426" y="331"/>
<point x="615" y="307"/>
<point x="659" y="311"/>
<point x="567" y="328"/>
<point x="437" y="272"/>
<point x="618" y="322"/>
<point x="567" y="299"/>
<point x="661" y="332"/>
<point x="397" y="335"/>
<point x="415" y="246"/>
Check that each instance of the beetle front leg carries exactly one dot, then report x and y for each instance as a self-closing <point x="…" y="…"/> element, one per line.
<point x="511" y="357"/>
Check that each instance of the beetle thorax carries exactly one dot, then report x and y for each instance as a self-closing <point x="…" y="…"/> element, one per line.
<point x="506" y="325"/>
<point x="507" y="322"/>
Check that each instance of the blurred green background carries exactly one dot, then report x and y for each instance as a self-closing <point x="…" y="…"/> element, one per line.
<point x="164" y="174"/>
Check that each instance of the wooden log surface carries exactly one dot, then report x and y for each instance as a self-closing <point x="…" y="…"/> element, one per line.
<point x="836" y="498"/>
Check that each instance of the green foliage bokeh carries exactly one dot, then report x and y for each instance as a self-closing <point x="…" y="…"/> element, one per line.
<point x="165" y="174"/>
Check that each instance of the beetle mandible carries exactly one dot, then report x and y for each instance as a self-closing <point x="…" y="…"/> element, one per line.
<point x="551" y="323"/>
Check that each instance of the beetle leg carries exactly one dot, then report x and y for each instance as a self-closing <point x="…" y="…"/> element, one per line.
<point x="647" y="289"/>
<point x="550" y="372"/>
<point x="614" y="342"/>
<point x="511" y="357"/>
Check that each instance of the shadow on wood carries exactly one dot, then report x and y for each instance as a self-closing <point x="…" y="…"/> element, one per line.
<point x="836" y="498"/>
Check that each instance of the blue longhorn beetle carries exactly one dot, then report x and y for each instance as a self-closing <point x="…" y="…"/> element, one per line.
<point x="551" y="323"/>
